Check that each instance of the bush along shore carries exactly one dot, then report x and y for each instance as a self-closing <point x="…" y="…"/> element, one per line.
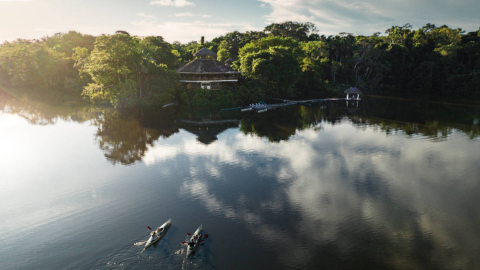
<point x="285" y="60"/>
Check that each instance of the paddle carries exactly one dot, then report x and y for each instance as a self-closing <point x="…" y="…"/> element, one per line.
<point x="148" y="228"/>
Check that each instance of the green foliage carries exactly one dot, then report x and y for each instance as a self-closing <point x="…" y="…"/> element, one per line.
<point x="45" y="65"/>
<point x="398" y="34"/>
<point x="213" y="45"/>
<point x="198" y="99"/>
<point x="223" y="55"/>
<point x="315" y="57"/>
<point x="25" y="63"/>
<point x="232" y="42"/>
<point x="268" y="42"/>
<point x="429" y="61"/>
<point x="65" y="43"/>
<point x="369" y="69"/>
<point x="248" y="94"/>
<point x="203" y="98"/>
<point x="113" y="66"/>
<point x="287" y="59"/>
<point x="159" y="86"/>
<point x="186" y="51"/>
<point x="274" y="62"/>
<point x="295" y="30"/>
<point x="156" y="49"/>
<point x="126" y="70"/>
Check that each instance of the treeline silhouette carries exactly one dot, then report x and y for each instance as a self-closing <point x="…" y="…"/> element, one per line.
<point x="287" y="59"/>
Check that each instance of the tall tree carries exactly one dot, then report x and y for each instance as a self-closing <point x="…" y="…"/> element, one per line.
<point x="121" y="67"/>
<point x="274" y="62"/>
<point x="295" y="30"/>
<point x="232" y="42"/>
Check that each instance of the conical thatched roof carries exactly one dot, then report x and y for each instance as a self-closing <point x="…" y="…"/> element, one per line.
<point x="205" y="52"/>
<point x="209" y="134"/>
<point x="200" y="65"/>
<point x="229" y="61"/>
<point x="121" y="32"/>
<point x="353" y="90"/>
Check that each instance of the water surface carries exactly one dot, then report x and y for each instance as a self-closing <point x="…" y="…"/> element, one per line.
<point x="382" y="184"/>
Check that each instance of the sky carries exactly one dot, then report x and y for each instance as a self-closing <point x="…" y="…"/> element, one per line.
<point x="187" y="20"/>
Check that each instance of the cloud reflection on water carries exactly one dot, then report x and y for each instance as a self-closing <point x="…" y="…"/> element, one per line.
<point x="385" y="191"/>
<point x="412" y="200"/>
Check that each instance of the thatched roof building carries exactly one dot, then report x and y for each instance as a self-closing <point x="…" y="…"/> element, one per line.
<point x="202" y="66"/>
<point x="205" y="53"/>
<point x="206" y="72"/>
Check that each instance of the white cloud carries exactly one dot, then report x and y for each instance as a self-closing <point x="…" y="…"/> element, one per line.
<point x="185" y="14"/>
<point x="174" y="3"/>
<point x="145" y="15"/>
<point x="159" y="153"/>
<point x="188" y="14"/>
<point x="369" y="16"/>
<point x="44" y="30"/>
<point x="188" y="31"/>
<point x="144" y="24"/>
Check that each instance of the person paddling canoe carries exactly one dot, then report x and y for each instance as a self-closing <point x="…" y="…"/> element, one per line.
<point x="194" y="241"/>
<point x="157" y="234"/>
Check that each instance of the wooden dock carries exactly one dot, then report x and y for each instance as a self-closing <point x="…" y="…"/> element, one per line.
<point x="262" y="107"/>
<point x="315" y="100"/>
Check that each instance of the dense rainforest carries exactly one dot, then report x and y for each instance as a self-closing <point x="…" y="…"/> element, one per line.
<point x="287" y="60"/>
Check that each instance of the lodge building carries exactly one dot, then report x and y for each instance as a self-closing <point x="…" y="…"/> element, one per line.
<point x="207" y="73"/>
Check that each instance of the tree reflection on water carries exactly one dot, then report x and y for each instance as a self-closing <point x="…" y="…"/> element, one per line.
<point x="340" y="187"/>
<point x="435" y="122"/>
<point x="125" y="139"/>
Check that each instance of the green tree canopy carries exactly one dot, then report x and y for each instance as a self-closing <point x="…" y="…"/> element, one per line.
<point x="26" y="63"/>
<point x="274" y="62"/>
<point x="64" y="43"/>
<point x="295" y="30"/>
<point x="121" y="67"/>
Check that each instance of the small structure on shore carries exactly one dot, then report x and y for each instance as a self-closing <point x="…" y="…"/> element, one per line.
<point x="206" y="72"/>
<point x="355" y="92"/>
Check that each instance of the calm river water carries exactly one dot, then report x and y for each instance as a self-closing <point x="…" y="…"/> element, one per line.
<point x="383" y="184"/>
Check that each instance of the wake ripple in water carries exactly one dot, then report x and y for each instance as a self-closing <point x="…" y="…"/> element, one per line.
<point x="134" y="257"/>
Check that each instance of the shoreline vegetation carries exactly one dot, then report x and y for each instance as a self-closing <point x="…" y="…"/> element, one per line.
<point x="287" y="60"/>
